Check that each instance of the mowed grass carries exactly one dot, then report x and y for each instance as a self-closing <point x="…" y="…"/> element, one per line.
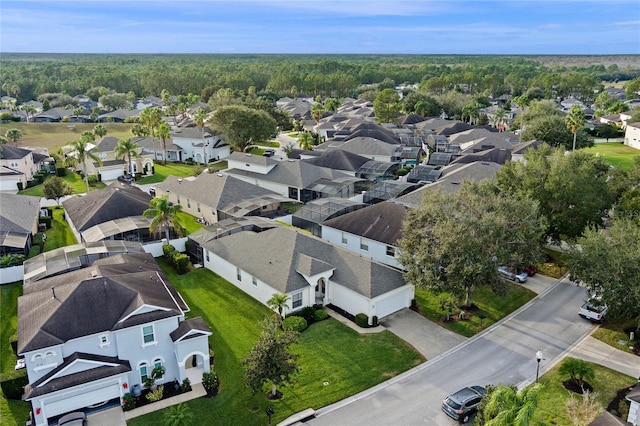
<point x="59" y="235"/>
<point x="162" y="171"/>
<point x="54" y="136"/>
<point x="494" y="307"/>
<point x="553" y="398"/>
<point x="329" y="351"/>
<point x="73" y="179"/>
<point x="613" y="333"/>
<point x="616" y="154"/>
<point x="12" y="412"/>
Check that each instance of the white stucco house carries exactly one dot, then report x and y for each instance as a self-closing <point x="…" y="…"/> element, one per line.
<point x="371" y="232"/>
<point x="306" y="268"/>
<point x="202" y="145"/>
<point x="92" y="335"/>
<point x="632" y="135"/>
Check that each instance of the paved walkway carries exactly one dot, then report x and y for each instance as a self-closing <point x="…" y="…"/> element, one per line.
<point x="352" y="325"/>
<point x="593" y="350"/>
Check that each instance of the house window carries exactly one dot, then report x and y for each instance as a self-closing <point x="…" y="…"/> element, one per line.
<point x="363" y="245"/>
<point x="207" y="254"/>
<point x="213" y="212"/>
<point x="104" y="340"/>
<point x="38" y="360"/>
<point x="391" y="251"/>
<point x="144" y="373"/>
<point x="188" y="203"/>
<point x="178" y="199"/>
<point x="344" y="238"/>
<point x="198" y="207"/>
<point x="296" y="300"/>
<point x="239" y="274"/>
<point x="254" y="281"/>
<point x="147" y="334"/>
<point x="48" y="357"/>
<point x="157" y="363"/>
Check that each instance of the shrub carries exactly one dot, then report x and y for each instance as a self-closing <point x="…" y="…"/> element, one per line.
<point x="61" y="171"/>
<point x="186" y="385"/>
<point x="181" y="262"/>
<point x="362" y="320"/>
<point x="128" y="401"/>
<point x="20" y="186"/>
<point x="93" y="179"/>
<point x="156" y="395"/>
<point x="374" y="321"/>
<point x="320" y="314"/>
<point x="308" y="313"/>
<point x="32" y="183"/>
<point x="168" y="250"/>
<point x="13" y="382"/>
<point x="294" y="323"/>
<point x="210" y="381"/>
<point x="11" y="259"/>
<point x="46" y="220"/>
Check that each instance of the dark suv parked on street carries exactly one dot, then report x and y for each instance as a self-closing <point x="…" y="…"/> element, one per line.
<point x="463" y="404"/>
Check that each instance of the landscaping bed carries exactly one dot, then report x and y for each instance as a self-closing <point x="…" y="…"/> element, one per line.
<point x="169" y="389"/>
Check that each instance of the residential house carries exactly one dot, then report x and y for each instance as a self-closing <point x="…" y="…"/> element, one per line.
<point x="18" y="222"/>
<point x="294" y="179"/>
<point x="152" y="145"/>
<point x="113" y="167"/>
<point x="102" y="207"/>
<point x="17" y="167"/>
<point x="632" y="135"/>
<point x="212" y="197"/>
<point x="517" y="152"/>
<point x="53" y="115"/>
<point x="634" y="408"/>
<point x="92" y="335"/>
<point x="120" y="115"/>
<point x="371" y="232"/>
<point x="201" y="145"/>
<point x="338" y="159"/>
<point x="307" y="269"/>
<point x="312" y="214"/>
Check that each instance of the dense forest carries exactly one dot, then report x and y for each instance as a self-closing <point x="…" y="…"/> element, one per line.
<point x="318" y="75"/>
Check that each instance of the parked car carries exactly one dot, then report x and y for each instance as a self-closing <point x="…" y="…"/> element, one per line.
<point x="463" y="404"/>
<point x="531" y="270"/>
<point x="77" y="418"/>
<point x="126" y="178"/>
<point x="593" y="310"/>
<point x="518" y="276"/>
<point x="269" y="152"/>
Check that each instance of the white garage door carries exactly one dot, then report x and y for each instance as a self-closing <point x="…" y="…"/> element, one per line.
<point x="81" y="400"/>
<point x="111" y="174"/>
<point x="9" y="184"/>
<point x="391" y="304"/>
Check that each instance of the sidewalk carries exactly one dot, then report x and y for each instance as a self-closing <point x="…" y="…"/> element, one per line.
<point x="593" y="350"/>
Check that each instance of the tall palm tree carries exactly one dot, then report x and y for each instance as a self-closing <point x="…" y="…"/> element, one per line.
<point x="126" y="148"/>
<point x="6" y="87"/>
<point x="200" y="118"/>
<point x="13" y="135"/>
<point x="29" y="110"/>
<point x="306" y="141"/>
<point x="151" y="118"/>
<point x="140" y="130"/>
<point x="317" y="111"/>
<point x="164" y="215"/>
<point x="84" y="151"/>
<point x="15" y="89"/>
<point x="574" y="121"/>
<point x="100" y="130"/>
<point x="164" y="133"/>
<point x="499" y="119"/>
<point x="522" y="101"/>
<point x="278" y="301"/>
<point x="507" y="406"/>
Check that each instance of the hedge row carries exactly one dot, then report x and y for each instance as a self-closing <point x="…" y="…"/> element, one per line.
<point x="179" y="261"/>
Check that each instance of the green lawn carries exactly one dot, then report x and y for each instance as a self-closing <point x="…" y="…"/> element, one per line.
<point x="189" y="222"/>
<point x="12" y="413"/>
<point x="615" y="153"/>
<point x="494" y="307"/>
<point x="170" y="169"/>
<point x="329" y="352"/>
<point x="613" y="333"/>
<point x="59" y="235"/>
<point x="73" y="179"/>
<point x="551" y="404"/>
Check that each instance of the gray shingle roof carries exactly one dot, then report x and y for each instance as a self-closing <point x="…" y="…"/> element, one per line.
<point x="338" y="159"/>
<point x="361" y="146"/>
<point x="215" y="190"/>
<point x="196" y="326"/>
<point x="18" y="212"/>
<point x="13" y="153"/>
<point x="85" y="305"/>
<point x="273" y="256"/>
<point x="113" y="202"/>
<point x="107" y="144"/>
<point x="380" y="222"/>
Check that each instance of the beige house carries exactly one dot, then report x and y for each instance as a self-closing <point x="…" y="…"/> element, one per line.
<point x="18" y="165"/>
<point x="632" y="135"/>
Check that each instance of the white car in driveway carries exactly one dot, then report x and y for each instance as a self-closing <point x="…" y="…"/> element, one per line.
<point x="593" y="310"/>
<point x="517" y="276"/>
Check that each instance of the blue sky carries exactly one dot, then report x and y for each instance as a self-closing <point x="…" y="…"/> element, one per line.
<point x="321" y="26"/>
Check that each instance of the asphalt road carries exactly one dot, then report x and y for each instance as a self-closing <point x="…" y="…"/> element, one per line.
<point x="502" y="354"/>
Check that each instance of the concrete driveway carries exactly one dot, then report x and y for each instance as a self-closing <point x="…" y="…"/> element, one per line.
<point x="110" y="417"/>
<point x="424" y="335"/>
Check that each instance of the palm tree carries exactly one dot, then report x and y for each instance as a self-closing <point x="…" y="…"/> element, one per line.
<point x="506" y="406"/>
<point x="471" y="112"/>
<point x="6" y="87"/>
<point x="83" y="152"/>
<point x="577" y="370"/>
<point x="522" y="101"/>
<point x="278" y="301"/>
<point x="151" y="118"/>
<point x="164" y="133"/>
<point x="200" y="117"/>
<point x="13" y="135"/>
<point x="164" y="215"/>
<point x="499" y="119"/>
<point x="140" y="130"/>
<point x="15" y="89"/>
<point x="306" y="141"/>
<point x="574" y="121"/>
<point x="177" y="415"/>
<point x="126" y="148"/>
<point x="317" y="111"/>
<point x="100" y="130"/>
<point x="29" y="110"/>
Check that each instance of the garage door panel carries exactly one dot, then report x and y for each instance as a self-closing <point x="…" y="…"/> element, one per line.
<point x="390" y="305"/>
<point x="80" y="399"/>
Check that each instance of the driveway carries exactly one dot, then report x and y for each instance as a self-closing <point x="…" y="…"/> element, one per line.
<point x="425" y="336"/>
<point x="110" y="417"/>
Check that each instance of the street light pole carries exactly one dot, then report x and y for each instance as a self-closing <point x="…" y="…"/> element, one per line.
<point x="538" y="358"/>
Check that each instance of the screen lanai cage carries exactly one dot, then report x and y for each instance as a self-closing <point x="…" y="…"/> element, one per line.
<point x="377" y="171"/>
<point x="388" y="190"/>
<point x="424" y="174"/>
<point x="314" y="212"/>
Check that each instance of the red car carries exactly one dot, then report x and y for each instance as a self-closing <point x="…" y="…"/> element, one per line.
<point x="530" y="270"/>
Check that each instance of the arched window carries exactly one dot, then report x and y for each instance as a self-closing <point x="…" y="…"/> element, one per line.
<point x="49" y="357"/>
<point x="143" y="368"/>
<point x="37" y="360"/>
<point x="157" y="363"/>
